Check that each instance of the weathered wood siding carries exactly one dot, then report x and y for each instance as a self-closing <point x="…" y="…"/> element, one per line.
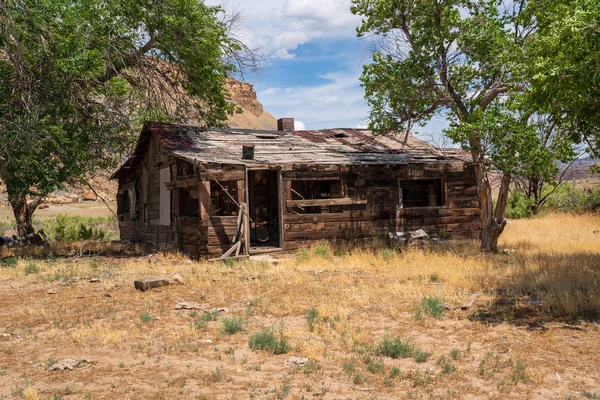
<point x="142" y="224"/>
<point x="210" y="235"/>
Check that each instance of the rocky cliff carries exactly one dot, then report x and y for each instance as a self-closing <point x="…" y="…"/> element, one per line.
<point x="253" y="116"/>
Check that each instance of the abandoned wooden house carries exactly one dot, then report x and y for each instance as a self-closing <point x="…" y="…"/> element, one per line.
<point x="234" y="191"/>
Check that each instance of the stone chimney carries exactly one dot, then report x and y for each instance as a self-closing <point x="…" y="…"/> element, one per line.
<point x="285" y="124"/>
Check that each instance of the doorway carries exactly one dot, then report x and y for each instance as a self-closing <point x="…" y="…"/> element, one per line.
<point x="263" y="204"/>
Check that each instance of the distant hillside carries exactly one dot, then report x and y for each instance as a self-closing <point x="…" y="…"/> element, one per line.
<point x="253" y="115"/>
<point x="580" y="169"/>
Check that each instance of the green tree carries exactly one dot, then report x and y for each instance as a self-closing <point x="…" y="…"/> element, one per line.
<point x="77" y="75"/>
<point x="462" y="60"/>
<point x="563" y="69"/>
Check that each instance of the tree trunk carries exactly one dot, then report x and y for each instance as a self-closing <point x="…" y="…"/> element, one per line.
<point x="492" y="221"/>
<point x="489" y="236"/>
<point x="23" y="214"/>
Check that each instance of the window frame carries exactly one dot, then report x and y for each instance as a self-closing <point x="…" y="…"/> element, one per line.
<point x="443" y="194"/>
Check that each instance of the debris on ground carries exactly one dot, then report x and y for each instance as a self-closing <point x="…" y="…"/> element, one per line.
<point x="187" y="305"/>
<point x="151" y="283"/>
<point x="408" y="237"/>
<point x="177" y="279"/>
<point x="66" y="365"/>
<point x="264" y="258"/>
<point x="509" y="251"/>
<point x="95" y="280"/>
<point x="38" y="238"/>
<point x="51" y="291"/>
<point x="296" y="360"/>
<point x="470" y="302"/>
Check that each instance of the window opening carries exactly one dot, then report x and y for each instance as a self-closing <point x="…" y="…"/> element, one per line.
<point x="421" y="193"/>
<point x="221" y="204"/>
<point x="188" y="203"/>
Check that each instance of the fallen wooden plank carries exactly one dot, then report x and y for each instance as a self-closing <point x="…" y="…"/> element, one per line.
<point x="470" y="302"/>
<point x="151" y="283"/>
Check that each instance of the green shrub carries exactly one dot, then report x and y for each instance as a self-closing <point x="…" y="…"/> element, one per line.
<point x="31" y="268"/>
<point x="394" y="347"/>
<point x="233" y="325"/>
<point x="430" y="306"/>
<point x="323" y="249"/>
<point x="420" y="356"/>
<point x="572" y="198"/>
<point x="518" y="206"/>
<point x="208" y="316"/>
<point x="265" y="339"/>
<point x="64" y="228"/>
<point x="9" y="262"/>
<point x="146" y="317"/>
<point x="312" y="316"/>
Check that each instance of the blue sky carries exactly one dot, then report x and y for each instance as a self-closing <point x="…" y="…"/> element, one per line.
<point x="314" y="61"/>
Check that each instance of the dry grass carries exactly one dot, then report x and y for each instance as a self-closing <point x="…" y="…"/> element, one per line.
<point x="533" y="332"/>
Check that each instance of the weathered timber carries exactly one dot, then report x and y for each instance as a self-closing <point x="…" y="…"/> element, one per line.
<point x="325" y="202"/>
<point x="470" y="302"/>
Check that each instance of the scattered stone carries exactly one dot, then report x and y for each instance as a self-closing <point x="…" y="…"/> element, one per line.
<point x="222" y="309"/>
<point x="296" y="360"/>
<point x="95" y="280"/>
<point x="89" y="196"/>
<point x="43" y="206"/>
<point x="187" y="305"/>
<point x="177" y="279"/>
<point x="147" y="284"/>
<point x="535" y="302"/>
<point x="66" y="365"/>
<point x="597" y="231"/>
<point x="264" y="258"/>
<point x="509" y="251"/>
<point x="5" y="335"/>
<point x="207" y="341"/>
<point x="51" y="291"/>
<point x="108" y="295"/>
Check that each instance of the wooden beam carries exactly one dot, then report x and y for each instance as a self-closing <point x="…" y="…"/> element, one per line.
<point x="325" y="202"/>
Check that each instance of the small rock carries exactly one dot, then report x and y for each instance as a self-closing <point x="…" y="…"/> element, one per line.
<point x="108" y="295"/>
<point x="264" y="258"/>
<point x="51" y="291"/>
<point x="509" y="251"/>
<point x="90" y="196"/>
<point x="147" y="284"/>
<point x="207" y="341"/>
<point x="66" y="365"/>
<point x="296" y="360"/>
<point x="177" y="279"/>
<point x="95" y="280"/>
<point x="5" y="335"/>
<point x="187" y="305"/>
<point x="43" y="206"/>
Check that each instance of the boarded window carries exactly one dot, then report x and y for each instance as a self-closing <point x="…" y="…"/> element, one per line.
<point x="123" y="203"/>
<point x="421" y="193"/>
<point x="165" y="197"/>
<point x="221" y="196"/>
<point x="188" y="203"/>
<point x="316" y="190"/>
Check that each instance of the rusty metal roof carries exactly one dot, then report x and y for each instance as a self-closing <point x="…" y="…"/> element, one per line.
<point x="327" y="146"/>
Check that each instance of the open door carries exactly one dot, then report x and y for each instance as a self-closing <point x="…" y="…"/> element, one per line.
<point x="263" y="204"/>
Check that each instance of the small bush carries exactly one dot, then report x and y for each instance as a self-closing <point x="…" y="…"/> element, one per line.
<point x="446" y="365"/>
<point x="323" y="249"/>
<point x="9" y="262"/>
<point x="31" y="268"/>
<point x="265" y="339"/>
<point x="146" y="317"/>
<point x="518" y="206"/>
<point x="208" y="316"/>
<point x="233" y="325"/>
<point x="394" y="347"/>
<point x="421" y="356"/>
<point x="430" y="306"/>
<point x="312" y="316"/>
<point x="302" y="255"/>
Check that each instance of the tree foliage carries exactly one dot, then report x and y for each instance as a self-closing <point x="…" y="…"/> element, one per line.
<point x="76" y="75"/>
<point x="465" y="60"/>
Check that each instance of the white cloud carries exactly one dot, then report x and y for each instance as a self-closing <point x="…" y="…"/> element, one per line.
<point x="299" y="126"/>
<point x="336" y="103"/>
<point x="278" y="27"/>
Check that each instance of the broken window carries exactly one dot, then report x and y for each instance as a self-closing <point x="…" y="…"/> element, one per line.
<point x="222" y="195"/>
<point x="421" y="193"/>
<point x="123" y="203"/>
<point x="316" y="190"/>
<point x="188" y="203"/>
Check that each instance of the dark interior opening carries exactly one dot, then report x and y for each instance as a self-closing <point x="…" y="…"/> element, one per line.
<point x="263" y="191"/>
<point x="123" y="203"/>
<point x="188" y="203"/>
<point x="422" y="193"/>
<point x="313" y="190"/>
<point x="221" y="198"/>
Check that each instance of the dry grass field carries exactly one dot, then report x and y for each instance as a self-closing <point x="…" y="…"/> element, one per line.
<point x="374" y="324"/>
